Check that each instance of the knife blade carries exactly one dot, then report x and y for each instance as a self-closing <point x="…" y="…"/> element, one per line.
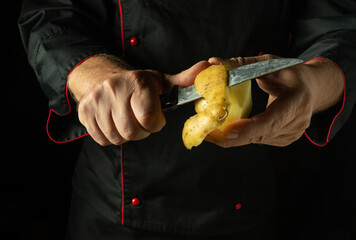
<point x="179" y="96"/>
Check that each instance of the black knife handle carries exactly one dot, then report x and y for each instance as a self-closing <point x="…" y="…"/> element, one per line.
<point x="169" y="100"/>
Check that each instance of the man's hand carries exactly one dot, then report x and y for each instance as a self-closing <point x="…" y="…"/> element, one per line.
<point x="118" y="105"/>
<point x="294" y="95"/>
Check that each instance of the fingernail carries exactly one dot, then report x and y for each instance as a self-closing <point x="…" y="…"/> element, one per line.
<point x="232" y="135"/>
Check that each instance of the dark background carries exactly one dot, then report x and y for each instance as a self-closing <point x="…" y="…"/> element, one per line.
<point x="35" y="173"/>
<point x="316" y="187"/>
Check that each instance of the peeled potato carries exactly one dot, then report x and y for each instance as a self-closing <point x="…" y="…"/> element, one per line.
<point x="219" y="106"/>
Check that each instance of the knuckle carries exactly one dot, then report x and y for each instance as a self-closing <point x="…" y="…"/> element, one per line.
<point x="113" y="137"/>
<point x="295" y="137"/>
<point x="93" y="99"/>
<point x="102" y="142"/>
<point x="109" y="84"/>
<point x="258" y="139"/>
<point x="151" y="121"/>
<point x="117" y="141"/>
<point x="147" y="119"/>
<point x="291" y="139"/>
<point x="82" y="112"/>
<point x="258" y="135"/>
<point x="222" y="144"/>
<point x="141" y="81"/>
<point x="98" y="138"/>
<point x="138" y="77"/>
<point x="275" y="125"/>
<point x="95" y="134"/>
<point x="137" y="74"/>
<point x="85" y="105"/>
<point x="228" y="144"/>
<point x="239" y="61"/>
<point x="214" y="60"/>
<point x="130" y="134"/>
<point x="304" y="125"/>
<point x="269" y="56"/>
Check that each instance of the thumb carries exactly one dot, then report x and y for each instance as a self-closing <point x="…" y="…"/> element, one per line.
<point x="185" y="78"/>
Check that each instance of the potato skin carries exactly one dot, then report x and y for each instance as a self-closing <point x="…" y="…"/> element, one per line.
<point x="219" y="106"/>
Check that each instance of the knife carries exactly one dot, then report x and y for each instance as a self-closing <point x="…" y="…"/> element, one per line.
<point x="179" y="96"/>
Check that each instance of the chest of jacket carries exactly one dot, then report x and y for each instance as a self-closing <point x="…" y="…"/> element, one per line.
<point x="156" y="184"/>
<point x="172" y="35"/>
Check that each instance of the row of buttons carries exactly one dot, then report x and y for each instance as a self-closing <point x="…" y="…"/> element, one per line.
<point x="136" y="202"/>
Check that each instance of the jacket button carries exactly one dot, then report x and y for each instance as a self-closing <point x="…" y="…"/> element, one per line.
<point x="238" y="206"/>
<point x="133" y="41"/>
<point x="135" y="201"/>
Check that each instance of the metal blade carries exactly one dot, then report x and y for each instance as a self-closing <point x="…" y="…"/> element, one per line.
<point x="236" y="76"/>
<point x="186" y="95"/>
<point x="258" y="69"/>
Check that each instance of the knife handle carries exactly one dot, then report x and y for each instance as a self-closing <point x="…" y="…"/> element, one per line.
<point x="169" y="100"/>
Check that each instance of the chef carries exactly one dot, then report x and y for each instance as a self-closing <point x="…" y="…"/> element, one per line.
<point x="103" y="65"/>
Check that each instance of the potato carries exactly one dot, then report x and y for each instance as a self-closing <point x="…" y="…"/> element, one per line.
<point x="219" y="106"/>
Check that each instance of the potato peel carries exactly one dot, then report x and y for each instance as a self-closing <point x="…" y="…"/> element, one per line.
<point x="219" y="106"/>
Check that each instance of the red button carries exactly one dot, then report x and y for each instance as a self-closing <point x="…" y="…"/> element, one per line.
<point x="135" y="201"/>
<point x="238" y="206"/>
<point x="260" y="53"/>
<point x="133" y="41"/>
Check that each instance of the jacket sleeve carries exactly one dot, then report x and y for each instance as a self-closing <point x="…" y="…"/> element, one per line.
<point x="327" y="29"/>
<point x="58" y="35"/>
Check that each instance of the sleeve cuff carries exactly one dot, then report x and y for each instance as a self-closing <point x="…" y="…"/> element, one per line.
<point x="63" y="128"/>
<point x="323" y="125"/>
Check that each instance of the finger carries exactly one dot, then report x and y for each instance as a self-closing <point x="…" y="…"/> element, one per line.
<point x="222" y="61"/>
<point x="234" y="62"/>
<point x="235" y="139"/>
<point x="126" y="122"/>
<point x="264" y="126"/>
<point x="87" y="118"/>
<point x="218" y="138"/>
<point x="230" y="137"/>
<point x="187" y="77"/>
<point x="240" y="61"/>
<point x="105" y="122"/>
<point x="146" y="108"/>
<point x="283" y="139"/>
<point x="96" y="133"/>
<point x="260" y="128"/>
<point x="276" y="82"/>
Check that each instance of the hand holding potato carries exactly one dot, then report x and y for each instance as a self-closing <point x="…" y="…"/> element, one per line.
<point x="294" y="95"/>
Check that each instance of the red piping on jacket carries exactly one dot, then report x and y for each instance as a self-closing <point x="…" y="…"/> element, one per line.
<point x="67" y="97"/>
<point x="122" y="28"/>
<point x="342" y="107"/>
<point x="69" y="108"/>
<point x="121" y="146"/>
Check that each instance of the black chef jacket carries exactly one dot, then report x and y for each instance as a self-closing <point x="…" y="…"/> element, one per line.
<point x="156" y="184"/>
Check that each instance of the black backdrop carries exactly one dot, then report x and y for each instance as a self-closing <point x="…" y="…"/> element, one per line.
<point x="316" y="186"/>
<point x="35" y="173"/>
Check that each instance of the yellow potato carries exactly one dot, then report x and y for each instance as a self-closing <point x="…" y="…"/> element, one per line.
<point x="219" y="106"/>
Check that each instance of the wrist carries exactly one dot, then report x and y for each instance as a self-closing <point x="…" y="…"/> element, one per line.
<point x="91" y="72"/>
<point x="326" y="82"/>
